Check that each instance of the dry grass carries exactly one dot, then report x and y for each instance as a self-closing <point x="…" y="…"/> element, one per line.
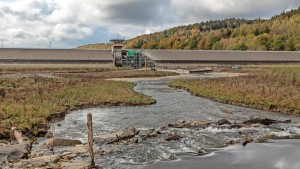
<point x="119" y="74"/>
<point x="275" y="88"/>
<point x="28" y="102"/>
<point x="11" y="68"/>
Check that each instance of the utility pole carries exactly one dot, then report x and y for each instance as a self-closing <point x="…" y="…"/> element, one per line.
<point x="50" y="45"/>
<point x="2" y="43"/>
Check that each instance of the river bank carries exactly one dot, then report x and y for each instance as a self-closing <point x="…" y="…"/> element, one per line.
<point x="273" y="88"/>
<point x="177" y="124"/>
<point x="31" y="100"/>
<point x="172" y="106"/>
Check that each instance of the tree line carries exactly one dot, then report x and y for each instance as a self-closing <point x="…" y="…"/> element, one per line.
<point x="280" y="33"/>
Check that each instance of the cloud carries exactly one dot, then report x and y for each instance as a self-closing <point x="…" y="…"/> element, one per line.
<point x="138" y="12"/>
<point x="34" y="23"/>
<point x="221" y="9"/>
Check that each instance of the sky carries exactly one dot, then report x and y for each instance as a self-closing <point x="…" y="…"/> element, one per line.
<point x="70" y="23"/>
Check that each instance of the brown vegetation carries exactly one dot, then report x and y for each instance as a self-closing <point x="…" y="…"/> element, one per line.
<point x="28" y="102"/>
<point x="274" y="88"/>
<point x="37" y="68"/>
<point x="97" y="46"/>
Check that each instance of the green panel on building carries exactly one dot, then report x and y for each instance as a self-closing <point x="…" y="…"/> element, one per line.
<point x="131" y="53"/>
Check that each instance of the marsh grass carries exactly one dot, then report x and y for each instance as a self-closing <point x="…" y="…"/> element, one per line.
<point x="120" y="74"/>
<point x="28" y="102"/>
<point x="275" y="88"/>
<point x="27" y="68"/>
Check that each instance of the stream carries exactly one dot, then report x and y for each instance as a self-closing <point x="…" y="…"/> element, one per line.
<point x="172" y="105"/>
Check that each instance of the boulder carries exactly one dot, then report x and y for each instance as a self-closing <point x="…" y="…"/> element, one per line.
<point x="246" y="141"/>
<point x="265" y="121"/>
<point x="172" y="137"/>
<point x="127" y="133"/>
<point x="132" y="141"/>
<point x="201" y="153"/>
<point x="236" y="125"/>
<point x="77" y="165"/>
<point x="192" y="123"/>
<point x="108" y="138"/>
<point x="14" y="152"/>
<point x="78" y="149"/>
<point x="253" y="121"/>
<point x="57" y="142"/>
<point x="143" y="133"/>
<point x="148" y="133"/>
<point x="223" y="122"/>
<point x="109" y="150"/>
<point x="41" y="161"/>
<point x="172" y="157"/>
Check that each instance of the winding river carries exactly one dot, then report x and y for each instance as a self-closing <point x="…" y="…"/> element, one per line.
<point x="172" y="105"/>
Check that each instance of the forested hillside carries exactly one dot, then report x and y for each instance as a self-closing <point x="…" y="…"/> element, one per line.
<point x="97" y="46"/>
<point x="280" y="33"/>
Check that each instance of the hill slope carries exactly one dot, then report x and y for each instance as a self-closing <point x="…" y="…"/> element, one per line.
<point x="97" y="46"/>
<point x="281" y="32"/>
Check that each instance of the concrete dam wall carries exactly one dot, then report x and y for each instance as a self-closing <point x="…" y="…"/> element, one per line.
<point x="156" y="56"/>
<point x="210" y="56"/>
<point x="55" y="56"/>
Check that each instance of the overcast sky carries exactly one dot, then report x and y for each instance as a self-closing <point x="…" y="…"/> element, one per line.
<point x="69" y="23"/>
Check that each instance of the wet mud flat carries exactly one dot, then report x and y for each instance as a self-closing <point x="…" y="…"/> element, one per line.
<point x="276" y="154"/>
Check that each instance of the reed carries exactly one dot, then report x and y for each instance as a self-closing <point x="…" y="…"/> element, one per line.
<point x="274" y="88"/>
<point x="28" y="102"/>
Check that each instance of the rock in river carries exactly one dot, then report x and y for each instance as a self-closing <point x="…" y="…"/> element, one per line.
<point x="108" y="138"/>
<point x="127" y="133"/>
<point x="41" y="161"/>
<point x="172" y="137"/>
<point x="13" y="152"/>
<point x="265" y="121"/>
<point x="148" y="133"/>
<point x="77" y="165"/>
<point x="223" y="122"/>
<point x="56" y="142"/>
<point x="192" y="123"/>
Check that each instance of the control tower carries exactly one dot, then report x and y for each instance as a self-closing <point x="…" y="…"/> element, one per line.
<point x="116" y="49"/>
